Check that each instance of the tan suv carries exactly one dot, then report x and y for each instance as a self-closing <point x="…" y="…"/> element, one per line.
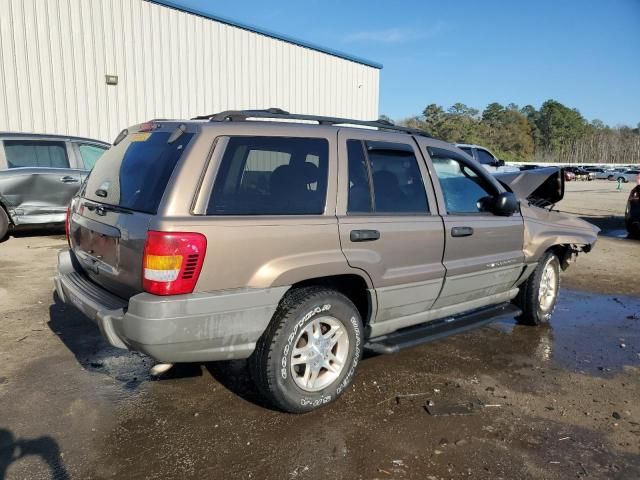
<point x="299" y="245"/>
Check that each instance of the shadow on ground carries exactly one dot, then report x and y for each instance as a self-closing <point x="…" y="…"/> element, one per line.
<point x="36" y="231"/>
<point x="13" y="449"/>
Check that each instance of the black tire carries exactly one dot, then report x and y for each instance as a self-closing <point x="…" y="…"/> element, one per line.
<point x="632" y="226"/>
<point x="610" y="178"/>
<point x="4" y="224"/>
<point x="270" y="363"/>
<point x="528" y="299"/>
<point x="622" y="179"/>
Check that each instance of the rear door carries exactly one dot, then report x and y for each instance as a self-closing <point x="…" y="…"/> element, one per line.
<point x="483" y="252"/>
<point x="40" y="180"/>
<point x="388" y="223"/>
<point x="110" y="220"/>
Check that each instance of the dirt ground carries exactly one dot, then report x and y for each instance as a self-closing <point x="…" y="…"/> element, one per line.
<point x="544" y="403"/>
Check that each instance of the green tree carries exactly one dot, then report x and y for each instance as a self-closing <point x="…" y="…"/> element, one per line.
<point x="507" y="131"/>
<point x="559" y="126"/>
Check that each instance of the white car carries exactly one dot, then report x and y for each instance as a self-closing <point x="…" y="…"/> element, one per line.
<point x="601" y="173"/>
<point x="487" y="159"/>
<point x="627" y="176"/>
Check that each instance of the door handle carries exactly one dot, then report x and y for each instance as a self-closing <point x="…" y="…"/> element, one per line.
<point x="69" y="179"/>
<point x="364" y="235"/>
<point x="461" y="231"/>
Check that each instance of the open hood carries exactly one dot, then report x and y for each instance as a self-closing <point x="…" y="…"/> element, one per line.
<point x="541" y="186"/>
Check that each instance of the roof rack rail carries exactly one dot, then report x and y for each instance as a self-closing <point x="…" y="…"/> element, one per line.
<point x="279" y="114"/>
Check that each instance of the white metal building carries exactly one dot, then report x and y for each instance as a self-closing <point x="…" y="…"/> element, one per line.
<point x="59" y="60"/>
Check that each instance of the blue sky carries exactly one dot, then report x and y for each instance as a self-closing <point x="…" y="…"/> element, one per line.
<point x="583" y="53"/>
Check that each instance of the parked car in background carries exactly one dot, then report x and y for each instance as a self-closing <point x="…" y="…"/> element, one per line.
<point x="529" y="166"/>
<point x="569" y="176"/>
<point x="632" y="213"/>
<point x="39" y="174"/>
<point x="627" y="176"/>
<point x="487" y="159"/>
<point x="303" y="245"/>
<point x="613" y="172"/>
<point x="581" y="174"/>
<point x="600" y="173"/>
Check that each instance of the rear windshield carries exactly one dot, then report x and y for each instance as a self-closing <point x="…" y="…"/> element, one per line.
<point x="134" y="173"/>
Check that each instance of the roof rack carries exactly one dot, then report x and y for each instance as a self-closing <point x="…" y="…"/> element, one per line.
<point x="279" y="114"/>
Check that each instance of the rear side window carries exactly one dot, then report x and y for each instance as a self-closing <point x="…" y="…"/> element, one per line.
<point x="271" y="176"/>
<point x="90" y="154"/>
<point x="134" y="173"/>
<point x="35" y="153"/>
<point x="384" y="178"/>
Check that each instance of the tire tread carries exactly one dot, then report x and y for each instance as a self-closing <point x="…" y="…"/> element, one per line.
<point x="260" y="362"/>
<point x="527" y="298"/>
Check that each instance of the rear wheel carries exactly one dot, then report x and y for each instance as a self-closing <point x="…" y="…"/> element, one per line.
<point x="622" y="179"/>
<point x="309" y="353"/>
<point x="4" y="224"/>
<point x="538" y="295"/>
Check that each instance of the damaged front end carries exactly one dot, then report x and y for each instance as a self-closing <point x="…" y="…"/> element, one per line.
<point x="546" y="228"/>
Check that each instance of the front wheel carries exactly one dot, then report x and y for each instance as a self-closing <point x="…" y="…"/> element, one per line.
<point x="539" y="293"/>
<point x="308" y="355"/>
<point x="622" y="179"/>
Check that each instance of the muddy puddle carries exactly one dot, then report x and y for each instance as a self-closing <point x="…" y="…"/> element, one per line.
<point x="589" y="333"/>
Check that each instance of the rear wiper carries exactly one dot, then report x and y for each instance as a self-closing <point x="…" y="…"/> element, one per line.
<point x="102" y="209"/>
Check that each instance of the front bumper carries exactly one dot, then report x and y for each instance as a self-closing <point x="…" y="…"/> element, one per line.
<point x="197" y="327"/>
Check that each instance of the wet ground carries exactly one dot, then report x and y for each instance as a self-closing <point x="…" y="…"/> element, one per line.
<point x="504" y="401"/>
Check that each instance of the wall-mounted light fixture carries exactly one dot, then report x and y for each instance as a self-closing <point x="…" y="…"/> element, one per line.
<point x="111" y="79"/>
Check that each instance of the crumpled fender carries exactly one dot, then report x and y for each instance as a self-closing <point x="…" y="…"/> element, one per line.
<point x="544" y="229"/>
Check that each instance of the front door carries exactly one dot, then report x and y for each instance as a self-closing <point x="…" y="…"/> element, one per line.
<point x="483" y="254"/>
<point x="39" y="182"/>
<point x="389" y="225"/>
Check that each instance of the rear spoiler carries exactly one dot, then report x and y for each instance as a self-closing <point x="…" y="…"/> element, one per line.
<point x="540" y="186"/>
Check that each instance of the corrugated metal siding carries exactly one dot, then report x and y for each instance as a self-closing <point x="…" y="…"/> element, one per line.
<point x="54" y="55"/>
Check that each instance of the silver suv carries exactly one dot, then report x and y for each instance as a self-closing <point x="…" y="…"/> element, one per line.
<point x="298" y="246"/>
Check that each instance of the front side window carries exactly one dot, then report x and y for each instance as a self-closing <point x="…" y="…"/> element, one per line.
<point x="35" y="153"/>
<point x="271" y="176"/>
<point x="485" y="157"/>
<point x="90" y="154"/>
<point x="384" y="178"/>
<point x="461" y="186"/>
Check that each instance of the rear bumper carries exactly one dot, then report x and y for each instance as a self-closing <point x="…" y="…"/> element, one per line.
<point x="198" y="327"/>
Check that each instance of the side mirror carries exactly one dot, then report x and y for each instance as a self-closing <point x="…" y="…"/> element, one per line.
<point x="499" y="163"/>
<point x="504" y="204"/>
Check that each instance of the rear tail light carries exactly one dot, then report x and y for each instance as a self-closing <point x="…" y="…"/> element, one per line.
<point x="172" y="262"/>
<point x="66" y="225"/>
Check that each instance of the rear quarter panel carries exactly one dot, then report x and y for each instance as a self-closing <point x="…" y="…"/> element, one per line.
<point x="253" y="251"/>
